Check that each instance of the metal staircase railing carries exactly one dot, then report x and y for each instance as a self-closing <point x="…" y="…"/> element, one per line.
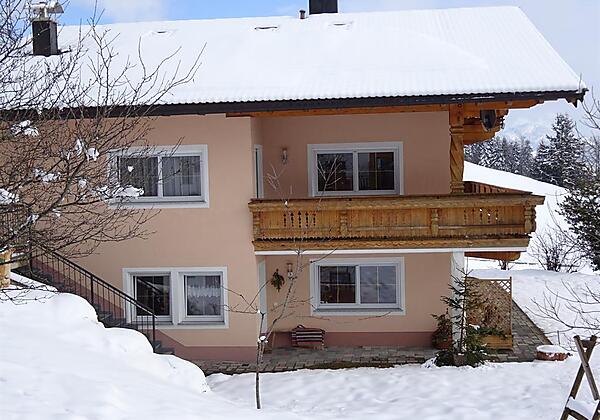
<point x="115" y="308"/>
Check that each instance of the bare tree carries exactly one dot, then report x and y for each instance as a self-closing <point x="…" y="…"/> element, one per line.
<point x="289" y="283"/>
<point x="63" y="121"/>
<point x="556" y="250"/>
<point x="574" y="310"/>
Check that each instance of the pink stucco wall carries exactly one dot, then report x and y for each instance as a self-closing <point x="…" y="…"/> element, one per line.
<point x="221" y="235"/>
<point x="425" y="137"/>
<point x="426" y="279"/>
<point x="195" y="237"/>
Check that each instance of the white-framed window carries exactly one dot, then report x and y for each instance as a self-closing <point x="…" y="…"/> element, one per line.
<point x="181" y="297"/>
<point x="168" y="175"/>
<point x="154" y="291"/>
<point x="355" y="168"/>
<point x="203" y="297"/>
<point x="358" y="285"/>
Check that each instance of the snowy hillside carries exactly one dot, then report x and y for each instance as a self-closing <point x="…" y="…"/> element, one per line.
<point x="547" y="216"/>
<point x="535" y="131"/>
<point x="58" y="362"/>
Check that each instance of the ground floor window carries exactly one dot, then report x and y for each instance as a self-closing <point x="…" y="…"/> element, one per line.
<point x="181" y="296"/>
<point x="358" y="284"/>
<point x="154" y="291"/>
<point x="203" y="297"/>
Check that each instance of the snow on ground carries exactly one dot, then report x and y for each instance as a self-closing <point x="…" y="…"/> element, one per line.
<point x="58" y="362"/>
<point x="510" y="391"/>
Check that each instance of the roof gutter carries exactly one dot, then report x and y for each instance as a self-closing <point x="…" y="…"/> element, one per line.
<point x="309" y="104"/>
<point x="313" y="104"/>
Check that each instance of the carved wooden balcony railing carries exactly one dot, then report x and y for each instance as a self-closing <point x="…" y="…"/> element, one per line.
<point x="471" y="220"/>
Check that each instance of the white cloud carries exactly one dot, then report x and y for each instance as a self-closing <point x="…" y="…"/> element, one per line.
<point x="127" y="10"/>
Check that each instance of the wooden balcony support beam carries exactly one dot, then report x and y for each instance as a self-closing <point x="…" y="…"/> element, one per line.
<point x="457" y="148"/>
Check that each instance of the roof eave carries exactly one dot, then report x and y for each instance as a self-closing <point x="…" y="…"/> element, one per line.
<point x="375" y="102"/>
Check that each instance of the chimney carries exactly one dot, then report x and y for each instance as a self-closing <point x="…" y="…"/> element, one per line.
<point x="44" y="28"/>
<point x="323" y="6"/>
<point x="45" y="39"/>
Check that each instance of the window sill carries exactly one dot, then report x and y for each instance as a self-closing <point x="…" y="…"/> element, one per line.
<point x="162" y="204"/>
<point x="367" y="193"/>
<point x="194" y="325"/>
<point x="358" y="311"/>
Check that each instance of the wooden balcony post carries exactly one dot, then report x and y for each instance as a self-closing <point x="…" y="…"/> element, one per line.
<point x="529" y="213"/>
<point x="344" y="222"/>
<point x="457" y="149"/>
<point x="256" y="224"/>
<point x="435" y="222"/>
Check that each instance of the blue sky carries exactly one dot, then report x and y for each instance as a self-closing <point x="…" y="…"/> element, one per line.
<point x="571" y="26"/>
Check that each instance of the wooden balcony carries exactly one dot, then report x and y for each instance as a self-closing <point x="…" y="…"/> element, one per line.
<point x="484" y="217"/>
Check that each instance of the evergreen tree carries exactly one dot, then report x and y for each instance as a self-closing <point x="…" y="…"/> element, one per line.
<point x="473" y="152"/>
<point x="525" y="161"/>
<point x="581" y="208"/>
<point x="500" y="153"/>
<point x="492" y="155"/>
<point x="542" y="164"/>
<point x="560" y="161"/>
<point x="510" y="153"/>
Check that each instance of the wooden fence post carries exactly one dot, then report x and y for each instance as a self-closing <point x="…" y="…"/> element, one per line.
<point x="584" y="349"/>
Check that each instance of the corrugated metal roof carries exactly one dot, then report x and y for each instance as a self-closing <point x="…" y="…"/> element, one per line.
<point x="491" y="50"/>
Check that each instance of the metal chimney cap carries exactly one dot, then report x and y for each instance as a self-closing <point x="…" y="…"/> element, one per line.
<point x="43" y="9"/>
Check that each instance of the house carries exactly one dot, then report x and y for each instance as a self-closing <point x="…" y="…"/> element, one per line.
<point x="328" y="146"/>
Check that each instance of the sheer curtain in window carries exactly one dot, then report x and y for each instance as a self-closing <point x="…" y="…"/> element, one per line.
<point x="181" y="176"/>
<point x="203" y="295"/>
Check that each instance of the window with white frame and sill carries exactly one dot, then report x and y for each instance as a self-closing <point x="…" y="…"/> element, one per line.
<point x="165" y="174"/>
<point x="181" y="297"/>
<point x="356" y="168"/>
<point x="364" y="285"/>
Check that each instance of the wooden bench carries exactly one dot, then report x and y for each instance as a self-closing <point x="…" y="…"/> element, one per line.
<point x="308" y="337"/>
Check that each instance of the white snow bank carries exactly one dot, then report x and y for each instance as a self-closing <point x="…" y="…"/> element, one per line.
<point x="58" y="362"/>
<point x="551" y="349"/>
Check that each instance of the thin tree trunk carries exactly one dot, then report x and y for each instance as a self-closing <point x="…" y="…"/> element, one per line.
<point x="260" y="348"/>
<point x="257" y="383"/>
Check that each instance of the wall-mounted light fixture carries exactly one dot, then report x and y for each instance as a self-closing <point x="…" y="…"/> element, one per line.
<point x="284" y="156"/>
<point x="488" y="118"/>
<point x="290" y="270"/>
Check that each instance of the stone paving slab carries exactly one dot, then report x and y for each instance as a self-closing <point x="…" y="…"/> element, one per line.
<point x="526" y="338"/>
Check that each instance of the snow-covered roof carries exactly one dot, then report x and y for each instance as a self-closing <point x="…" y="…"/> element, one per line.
<point x="470" y="51"/>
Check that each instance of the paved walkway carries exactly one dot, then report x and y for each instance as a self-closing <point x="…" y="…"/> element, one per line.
<point x="526" y="337"/>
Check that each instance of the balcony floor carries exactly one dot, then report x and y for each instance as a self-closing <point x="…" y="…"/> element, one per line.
<point x="526" y="335"/>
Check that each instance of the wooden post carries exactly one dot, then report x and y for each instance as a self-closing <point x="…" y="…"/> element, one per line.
<point x="256" y="224"/>
<point x="584" y="369"/>
<point x="435" y="222"/>
<point x="344" y="223"/>
<point x="5" y="269"/>
<point x="457" y="149"/>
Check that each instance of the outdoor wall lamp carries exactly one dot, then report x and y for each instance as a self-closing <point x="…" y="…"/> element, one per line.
<point x="284" y="156"/>
<point x="290" y="270"/>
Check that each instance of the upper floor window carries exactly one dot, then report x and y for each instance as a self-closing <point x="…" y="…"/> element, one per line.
<point x="166" y="174"/>
<point x="356" y="168"/>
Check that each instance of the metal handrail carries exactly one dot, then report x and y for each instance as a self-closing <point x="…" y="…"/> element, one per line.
<point x="103" y="296"/>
